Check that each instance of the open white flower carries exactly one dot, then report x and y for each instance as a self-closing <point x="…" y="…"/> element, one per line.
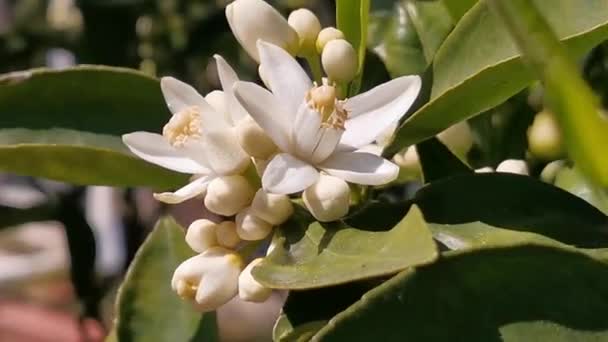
<point x="317" y="132"/>
<point x="199" y="139"/>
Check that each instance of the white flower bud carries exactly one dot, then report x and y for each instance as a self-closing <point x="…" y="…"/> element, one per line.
<point x="209" y="279"/>
<point x="409" y="162"/>
<point x="485" y="169"/>
<point x="513" y="166"/>
<point x="328" y="199"/>
<point x="457" y="138"/>
<point x="226" y="234"/>
<point x="544" y="137"/>
<point x="250" y="227"/>
<point x="550" y="171"/>
<point x="253" y="140"/>
<point x="252" y="20"/>
<point x="326" y="35"/>
<point x="307" y="26"/>
<point x="272" y="208"/>
<point x="250" y="290"/>
<point x="201" y="235"/>
<point x="227" y="195"/>
<point x="339" y="61"/>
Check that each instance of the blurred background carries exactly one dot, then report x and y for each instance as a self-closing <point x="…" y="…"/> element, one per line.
<point x="64" y="249"/>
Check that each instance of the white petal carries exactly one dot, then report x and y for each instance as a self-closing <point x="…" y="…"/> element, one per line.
<point x="361" y="168"/>
<point x="266" y="111"/>
<point x="191" y="190"/>
<point x="328" y="140"/>
<point x="285" y="77"/>
<point x="305" y="131"/>
<point x="228" y="78"/>
<point x="222" y="152"/>
<point x="374" y="111"/>
<point x="287" y="175"/>
<point x="180" y="96"/>
<point x="154" y="148"/>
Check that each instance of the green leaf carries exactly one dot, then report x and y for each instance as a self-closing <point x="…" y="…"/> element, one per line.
<point x="310" y="254"/>
<point x="304" y="332"/>
<point x="79" y="158"/>
<point x="406" y="34"/>
<point x="458" y="8"/>
<point x="352" y="19"/>
<point x="66" y="125"/>
<point x="438" y="161"/>
<point x="577" y="109"/>
<point x="479" y="66"/>
<point x="10" y="217"/>
<point x="147" y="308"/>
<point x="514" y="202"/>
<point x="507" y="294"/>
<point x="571" y="180"/>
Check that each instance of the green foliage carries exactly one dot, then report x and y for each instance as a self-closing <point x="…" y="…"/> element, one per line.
<point x="438" y="162"/>
<point x="147" y="308"/>
<point x="479" y="66"/>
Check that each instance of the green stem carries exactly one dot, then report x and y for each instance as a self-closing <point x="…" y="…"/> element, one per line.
<point x="315" y="67"/>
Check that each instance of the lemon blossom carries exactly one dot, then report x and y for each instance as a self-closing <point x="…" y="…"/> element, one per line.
<point x="199" y="139"/>
<point x="317" y="132"/>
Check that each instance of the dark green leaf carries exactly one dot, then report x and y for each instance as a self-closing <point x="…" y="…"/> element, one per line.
<point x="458" y="8"/>
<point x="438" y="161"/>
<point x="571" y="180"/>
<point x="526" y="293"/>
<point x="147" y="309"/>
<point x="478" y="66"/>
<point x="310" y="254"/>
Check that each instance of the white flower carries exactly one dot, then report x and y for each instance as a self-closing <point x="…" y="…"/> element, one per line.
<point x="200" y="235"/>
<point x="328" y="199"/>
<point x="339" y="60"/>
<point x="307" y="26"/>
<point x="199" y="139"/>
<point x="226" y="234"/>
<point x="251" y="20"/>
<point x="250" y="290"/>
<point x="210" y="279"/>
<point x="513" y="166"/>
<point x="272" y="208"/>
<point x="227" y="195"/>
<point x="249" y="227"/>
<point x="315" y="131"/>
<point x="326" y="35"/>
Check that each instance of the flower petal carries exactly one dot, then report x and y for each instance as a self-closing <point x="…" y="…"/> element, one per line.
<point x="286" y="78"/>
<point x="286" y="175"/>
<point x="266" y="111"/>
<point x="305" y="131"/>
<point x="154" y="148"/>
<point x="361" y="168"/>
<point x="328" y="141"/>
<point x="228" y="78"/>
<point x="190" y="190"/>
<point x="180" y="96"/>
<point x="374" y="111"/>
<point x="222" y="151"/>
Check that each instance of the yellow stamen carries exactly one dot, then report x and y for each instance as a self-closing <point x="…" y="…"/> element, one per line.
<point x="323" y="100"/>
<point x="186" y="290"/>
<point x="183" y="125"/>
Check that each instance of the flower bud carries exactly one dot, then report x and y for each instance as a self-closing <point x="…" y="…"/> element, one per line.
<point x="307" y="26"/>
<point x="252" y="20"/>
<point x="485" y="169"/>
<point x="550" y="171"/>
<point x="339" y="61"/>
<point x="218" y="101"/>
<point x="409" y="162"/>
<point x="544" y="137"/>
<point x="201" y="235"/>
<point x="326" y="35"/>
<point x="209" y="279"/>
<point x="253" y="140"/>
<point x="457" y="138"/>
<point x="226" y="234"/>
<point x="513" y="166"/>
<point x="227" y="195"/>
<point x="328" y="199"/>
<point x="272" y="208"/>
<point x="250" y="227"/>
<point x="250" y="290"/>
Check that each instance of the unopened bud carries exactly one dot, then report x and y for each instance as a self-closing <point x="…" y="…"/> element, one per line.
<point x="228" y="194"/>
<point x="253" y="20"/>
<point x="409" y="162"/>
<point x="544" y="137"/>
<point x="226" y="234"/>
<point x="253" y="140"/>
<point x="250" y="227"/>
<point x="326" y="35"/>
<point x="307" y="26"/>
<point x="550" y="171"/>
<point x="485" y="169"/>
<point x="272" y="208"/>
<point x="513" y="166"/>
<point x="328" y="199"/>
<point x="250" y="290"/>
<point x="339" y="61"/>
<point x="201" y="235"/>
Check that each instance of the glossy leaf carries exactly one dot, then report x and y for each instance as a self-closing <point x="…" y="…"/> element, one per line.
<point x="458" y="8"/>
<point x="514" y="202"/>
<point x="310" y="254"/>
<point x="79" y="158"/>
<point x="147" y="308"/>
<point x="571" y="180"/>
<point x="576" y="108"/>
<point x="506" y="294"/>
<point x="479" y="66"/>
<point x="438" y="161"/>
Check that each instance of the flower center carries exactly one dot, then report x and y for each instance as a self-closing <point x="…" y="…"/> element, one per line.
<point x="186" y="289"/>
<point x="323" y="99"/>
<point x="184" y="125"/>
